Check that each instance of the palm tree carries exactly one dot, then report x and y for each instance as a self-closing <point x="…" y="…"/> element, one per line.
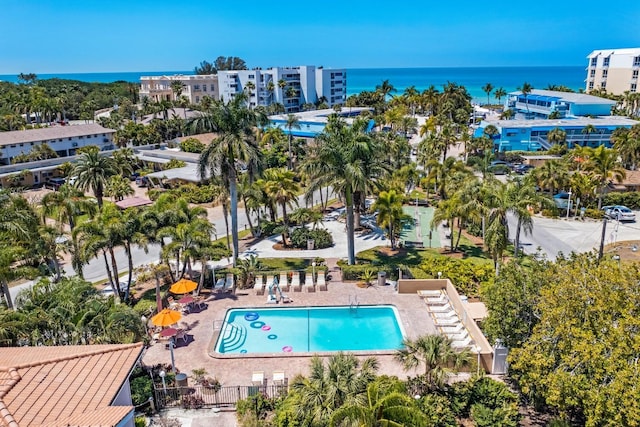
<point x="249" y="86"/>
<point x="488" y="88"/>
<point x="234" y="145"/>
<point x="386" y="89"/>
<point x="526" y="89"/>
<point x="343" y="380"/>
<point x="177" y="87"/>
<point x="627" y="143"/>
<point x="436" y="354"/>
<point x="522" y="197"/>
<point x="282" y="189"/>
<point x="552" y="175"/>
<point x="93" y="171"/>
<point x="604" y="166"/>
<point x="499" y="94"/>
<point x="390" y="215"/>
<point x="588" y="130"/>
<point x="387" y="405"/>
<point x="557" y="136"/>
<point x="292" y="122"/>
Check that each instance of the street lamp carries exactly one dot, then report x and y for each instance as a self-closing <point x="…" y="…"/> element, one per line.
<point x="439" y="274"/>
<point x="164" y="384"/>
<point x="313" y="264"/>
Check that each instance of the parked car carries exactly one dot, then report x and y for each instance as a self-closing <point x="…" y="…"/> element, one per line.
<point x="620" y="213"/>
<point x="562" y="200"/>
<point x="55" y="183"/>
<point x="499" y="169"/>
<point x="522" y="169"/>
<point x="500" y="162"/>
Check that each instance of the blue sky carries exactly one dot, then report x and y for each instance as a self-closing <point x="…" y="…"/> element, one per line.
<point x="70" y="36"/>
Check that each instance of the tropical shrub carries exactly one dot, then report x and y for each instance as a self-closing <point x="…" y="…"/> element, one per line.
<point x="144" y="307"/>
<point x="629" y="199"/>
<point x="485" y="399"/>
<point x="594" y="213"/>
<point x="466" y="274"/>
<point x="192" y="145"/>
<point x="174" y="164"/>
<point x="141" y="389"/>
<point x="322" y="238"/>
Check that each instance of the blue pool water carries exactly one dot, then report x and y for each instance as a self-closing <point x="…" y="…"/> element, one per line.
<point x="310" y="329"/>
<point x="307" y="129"/>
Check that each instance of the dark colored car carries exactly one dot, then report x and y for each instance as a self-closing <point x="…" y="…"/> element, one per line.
<point x="522" y="169"/>
<point x="55" y="183"/>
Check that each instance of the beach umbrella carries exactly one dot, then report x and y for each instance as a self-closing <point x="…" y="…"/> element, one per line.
<point x="166" y="317"/>
<point x="183" y="286"/>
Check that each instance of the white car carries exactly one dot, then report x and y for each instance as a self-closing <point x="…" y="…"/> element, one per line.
<point x="620" y="213"/>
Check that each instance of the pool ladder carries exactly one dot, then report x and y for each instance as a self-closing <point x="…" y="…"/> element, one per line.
<point x="353" y="304"/>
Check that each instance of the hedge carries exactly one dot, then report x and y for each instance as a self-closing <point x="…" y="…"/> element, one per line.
<point x="630" y="199"/>
<point x="322" y="238"/>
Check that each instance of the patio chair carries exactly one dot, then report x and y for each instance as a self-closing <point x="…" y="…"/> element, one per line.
<point x="440" y="308"/>
<point x="181" y="335"/>
<point x="452" y="321"/>
<point x="295" y="282"/>
<point x="427" y="293"/>
<point x="321" y="281"/>
<point x="229" y="283"/>
<point x="308" y="283"/>
<point x="436" y="301"/>
<point x="460" y="344"/>
<point x="283" y="282"/>
<point x="450" y="329"/>
<point x="257" y="378"/>
<point x="279" y="377"/>
<point x="259" y="285"/>
<point x="200" y="302"/>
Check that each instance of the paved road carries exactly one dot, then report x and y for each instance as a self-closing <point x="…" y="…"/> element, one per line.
<point x="567" y="235"/>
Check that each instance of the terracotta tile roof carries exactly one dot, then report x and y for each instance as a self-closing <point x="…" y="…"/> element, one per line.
<point x="54" y="132"/>
<point x="65" y="385"/>
<point x="632" y="178"/>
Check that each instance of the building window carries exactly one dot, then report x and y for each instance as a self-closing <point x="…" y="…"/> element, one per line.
<point x="634" y="74"/>
<point x="636" y="61"/>
<point x="592" y="73"/>
<point x="633" y="87"/>
<point x="594" y="62"/>
<point x="603" y="85"/>
<point x="252" y="76"/>
<point x="605" y="62"/>
<point x="197" y="99"/>
<point x="605" y="73"/>
<point x="204" y="88"/>
<point x="196" y="87"/>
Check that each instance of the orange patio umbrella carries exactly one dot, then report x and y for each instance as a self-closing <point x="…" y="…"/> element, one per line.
<point x="183" y="286"/>
<point x="166" y="317"/>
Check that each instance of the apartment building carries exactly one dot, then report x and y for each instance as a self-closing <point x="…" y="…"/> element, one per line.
<point x="194" y="87"/>
<point x="293" y="87"/>
<point x="613" y="70"/>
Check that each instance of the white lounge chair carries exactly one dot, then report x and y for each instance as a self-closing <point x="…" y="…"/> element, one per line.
<point x="439" y="321"/>
<point x="441" y="308"/>
<point x="295" y="282"/>
<point x="229" y="283"/>
<point x="259" y="285"/>
<point x="437" y="301"/>
<point x="321" y="281"/>
<point x="284" y="281"/>
<point x="433" y="294"/>
<point x="449" y="329"/>
<point x="458" y="337"/>
<point x="460" y="344"/>
<point x="268" y="283"/>
<point x="219" y="286"/>
<point x="308" y="283"/>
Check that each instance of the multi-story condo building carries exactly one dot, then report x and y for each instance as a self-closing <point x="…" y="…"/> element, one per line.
<point x="194" y="87"/>
<point x="614" y="70"/>
<point x="290" y="86"/>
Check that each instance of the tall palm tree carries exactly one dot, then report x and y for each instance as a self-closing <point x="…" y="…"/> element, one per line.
<point x="437" y="355"/>
<point x="627" y="143"/>
<point x="499" y="94"/>
<point x="386" y="89"/>
<point x="557" y="136"/>
<point x="552" y="175"/>
<point x="249" y="86"/>
<point x="234" y="146"/>
<point x="604" y="166"/>
<point x="177" y="87"/>
<point x="282" y="189"/>
<point x="292" y="122"/>
<point x="390" y="215"/>
<point x="526" y="89"/>
<point x="342" y="380"/>
<point x="488" y="88"/>
<point x="93" y="171"/>
<point x="522" y="197"/>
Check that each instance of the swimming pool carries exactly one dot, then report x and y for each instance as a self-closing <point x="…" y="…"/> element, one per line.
<point x="310" y="329"/>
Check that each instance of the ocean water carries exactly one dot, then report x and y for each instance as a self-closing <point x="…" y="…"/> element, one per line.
<point x="359" y="79"/>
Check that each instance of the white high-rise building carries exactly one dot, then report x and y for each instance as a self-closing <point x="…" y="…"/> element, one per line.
<point x="293" y="87"/>
<point x="614" y="70"/>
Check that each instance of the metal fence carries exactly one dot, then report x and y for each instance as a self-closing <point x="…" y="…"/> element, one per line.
<point x="197" y="396"/>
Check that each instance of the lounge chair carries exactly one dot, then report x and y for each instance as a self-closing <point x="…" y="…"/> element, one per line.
<point x="460" y="344"/>
<point x="432" y="294"/>
<point x="181" y="335"/>
<point x="436" y="301"/>
<point x="441" y="308"/>
<point x="257" y="378"/>
<point x="278" y="377"/>
<point x="283" y="282"/>
<point x="229" y="283"/>
<point x="219" y="286"/>
<point x="199" y="301"/>
<point x="308" y="283"/>
<point x="321" y="281"/>
<point x="259" y="285"/>
<point x="451" y="321"/>
<point x="295" y="282"/>
<point x="449" y="329"/>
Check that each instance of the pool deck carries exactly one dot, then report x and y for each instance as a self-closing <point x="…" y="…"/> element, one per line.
<point x="197" y="351"/>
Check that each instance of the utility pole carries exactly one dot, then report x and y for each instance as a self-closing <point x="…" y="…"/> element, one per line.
<point x="604" y="230"/>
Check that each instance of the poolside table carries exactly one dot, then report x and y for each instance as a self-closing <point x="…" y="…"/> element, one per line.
<point x="168" y="333"/>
